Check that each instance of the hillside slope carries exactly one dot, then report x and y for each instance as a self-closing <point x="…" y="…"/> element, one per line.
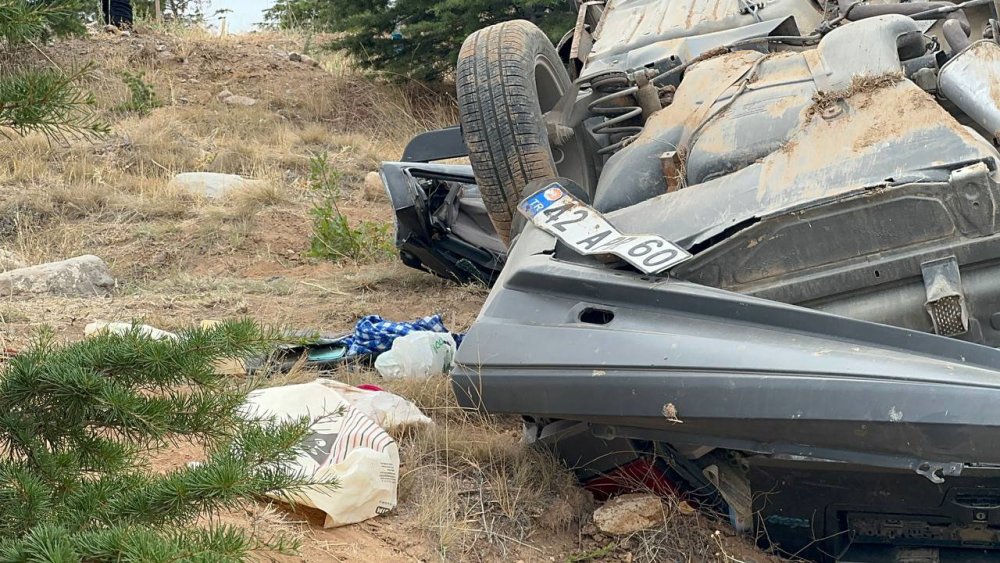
<point x="469" y="490"/>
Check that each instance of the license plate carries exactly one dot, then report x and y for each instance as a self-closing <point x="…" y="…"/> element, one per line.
<point x="581" y="227"/>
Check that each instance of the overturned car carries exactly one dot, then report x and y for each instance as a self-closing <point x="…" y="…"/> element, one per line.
<point x="812" y="351"/>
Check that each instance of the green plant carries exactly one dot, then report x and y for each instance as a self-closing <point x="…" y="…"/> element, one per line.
<point x="46" y="100"/>
<point x="77" y="422"/>
<point x="594" y="555"/>
<point x="417" y="39"/>
<point x="142" y="97"/>
<point x="333" y="236"/>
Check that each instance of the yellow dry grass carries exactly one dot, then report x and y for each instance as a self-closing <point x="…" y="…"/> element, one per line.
<point x="469" y="488"/>
<point x="468" y="484"/>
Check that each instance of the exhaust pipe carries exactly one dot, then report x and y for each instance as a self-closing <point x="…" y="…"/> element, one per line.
<point x="956" y="27"/>
<point x="971" y="80"/>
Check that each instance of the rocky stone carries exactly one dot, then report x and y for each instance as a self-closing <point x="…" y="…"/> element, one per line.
<point x="223" y="94"/>
<point x="246" y="101"/>
<point x="373" y="188"/>
<point x="300" y="58"/>
<point x="11" y="261"/>
<point x="111" y="29"/>
<point x="628" y="514"/>
<point x="210" y="184"/>
<point x="84" y="276"/>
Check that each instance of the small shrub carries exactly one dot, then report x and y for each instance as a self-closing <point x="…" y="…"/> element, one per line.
<point x="333" y="236"/>
<point x="77" y="426"/>
<point x="142" y="99"/>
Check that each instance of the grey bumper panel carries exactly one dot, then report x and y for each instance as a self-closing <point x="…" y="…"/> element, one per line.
<point x="668" y="360"/>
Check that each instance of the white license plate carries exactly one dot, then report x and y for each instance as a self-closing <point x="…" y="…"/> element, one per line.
<point x="581" y="227"/>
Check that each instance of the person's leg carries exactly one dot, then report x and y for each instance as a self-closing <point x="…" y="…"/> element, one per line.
<point x="121" y="12"/>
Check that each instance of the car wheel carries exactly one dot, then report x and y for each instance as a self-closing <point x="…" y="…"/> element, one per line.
<point x="509" y="75"/>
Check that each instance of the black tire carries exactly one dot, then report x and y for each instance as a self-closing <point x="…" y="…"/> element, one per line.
<point x="508" y="75"/>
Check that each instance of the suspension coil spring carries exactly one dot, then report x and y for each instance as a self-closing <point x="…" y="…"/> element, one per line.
<point x="617" y="106"/>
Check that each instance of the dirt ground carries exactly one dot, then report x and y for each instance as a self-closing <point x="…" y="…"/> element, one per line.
<point x="469" y="490"/>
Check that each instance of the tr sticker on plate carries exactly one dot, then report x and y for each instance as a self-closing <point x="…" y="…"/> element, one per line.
<point x="581" y="227"/>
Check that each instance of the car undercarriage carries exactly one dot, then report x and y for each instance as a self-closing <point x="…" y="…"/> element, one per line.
<point x="823" y="368"/>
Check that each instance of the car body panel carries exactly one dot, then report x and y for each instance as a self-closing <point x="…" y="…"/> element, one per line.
<point x="825" y="368"/>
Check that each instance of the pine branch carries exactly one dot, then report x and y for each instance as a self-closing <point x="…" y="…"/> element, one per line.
<point x="76" y="420"/>
<point x="49" y="101"/>
<point x="24" y="20"/>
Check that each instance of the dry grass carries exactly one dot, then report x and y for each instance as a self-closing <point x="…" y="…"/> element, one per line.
<point x="468" y="484"/>
<point x="469" y="489"/>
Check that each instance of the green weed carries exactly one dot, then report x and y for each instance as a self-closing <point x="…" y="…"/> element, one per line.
<point x="333" y="236"/>
<point x="142" y="98"/>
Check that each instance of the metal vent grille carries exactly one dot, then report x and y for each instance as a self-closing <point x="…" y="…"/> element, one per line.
<point x="947" y="316"/>
<point x="978" y="499"/>
<point x="945" y="303"/>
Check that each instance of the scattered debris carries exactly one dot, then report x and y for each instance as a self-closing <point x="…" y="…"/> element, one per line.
<point x="861" y="84"/>
<point x="345" y="445"/>
<point x="313" y="350"/>
<point x="388" y="410"/>
<point x="420" y="355"/>
<point x="83" y="276"/>
<point x="372" y="336"/>
<point x="211" y="184"/>
<point x="670" y="413"/>
<point x="98" y="327"/>
<point x="628" y="514"/>
<point x="686" y="508"/>
<point x="226" y="366"/>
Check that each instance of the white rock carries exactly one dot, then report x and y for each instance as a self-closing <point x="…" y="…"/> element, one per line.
<point x="374" y="189"/>
<point x="224" y="94"/>
<point x="11" y="261"/>
<point x="210" y="184"/>
<point x="84" y="275"/>
<point x="628" y="514"/>
<point x="240" y="101"/>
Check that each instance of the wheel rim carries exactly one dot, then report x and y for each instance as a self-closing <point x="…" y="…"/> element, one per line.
<point x="570" y="158"/>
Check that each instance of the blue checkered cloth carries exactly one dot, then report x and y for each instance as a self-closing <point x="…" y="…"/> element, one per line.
<point x="374" y="335"/>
